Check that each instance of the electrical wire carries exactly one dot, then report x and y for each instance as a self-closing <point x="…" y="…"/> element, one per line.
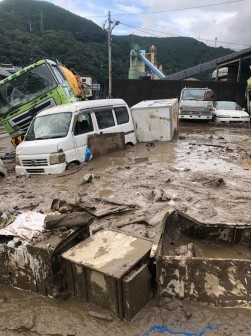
<point x="150" y="30"/>
<point x="145" y="30"/>
<point x="170" y="10"/>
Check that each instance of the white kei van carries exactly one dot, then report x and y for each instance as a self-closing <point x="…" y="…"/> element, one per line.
<point x="57" y="137"/>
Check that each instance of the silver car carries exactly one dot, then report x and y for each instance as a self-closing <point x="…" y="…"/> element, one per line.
<point x="228" y="111"/>
<point x="3" y="171"/>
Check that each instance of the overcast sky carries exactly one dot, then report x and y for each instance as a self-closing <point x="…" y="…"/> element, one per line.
<point x="214" y="22"/>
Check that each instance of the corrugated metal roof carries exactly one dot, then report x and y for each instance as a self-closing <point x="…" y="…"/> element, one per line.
<point x="245" y="53"/>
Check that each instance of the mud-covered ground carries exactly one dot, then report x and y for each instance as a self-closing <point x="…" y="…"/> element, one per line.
<point x="204" y="173"/>
<point x="26" y="314"/>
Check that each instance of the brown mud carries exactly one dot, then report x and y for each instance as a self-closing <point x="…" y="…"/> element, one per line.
<point x="205" y="173"/>
<point x="27" y="314"/>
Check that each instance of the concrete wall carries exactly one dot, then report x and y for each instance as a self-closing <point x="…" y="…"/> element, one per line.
<point x="134" y="91"/>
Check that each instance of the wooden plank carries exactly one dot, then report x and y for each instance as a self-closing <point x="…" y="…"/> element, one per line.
<point x="101" y="144"/>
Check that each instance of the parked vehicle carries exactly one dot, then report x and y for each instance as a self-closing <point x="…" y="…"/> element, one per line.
<point x="57" y="137"/>
<point x="34" y="88"/>
<point x="229" y="111"/>
<point x="196" y="103"/>
<point x="3" y="171"/>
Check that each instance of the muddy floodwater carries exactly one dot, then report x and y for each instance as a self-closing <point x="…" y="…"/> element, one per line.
<point x="205" y="173"/>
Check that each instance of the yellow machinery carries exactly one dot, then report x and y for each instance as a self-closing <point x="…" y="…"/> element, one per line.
<point x="74" y="80"/>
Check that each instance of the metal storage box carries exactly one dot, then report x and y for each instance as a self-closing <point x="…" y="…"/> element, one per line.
<point x="156" y="119"/>
<point x="204" y="262"/>
<point x="36" y="266"/>
<point x="110" y="270"/>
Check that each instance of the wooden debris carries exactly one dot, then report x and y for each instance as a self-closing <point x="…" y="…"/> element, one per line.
<point x="75" y="219"/>
<point x="100" y="316"/>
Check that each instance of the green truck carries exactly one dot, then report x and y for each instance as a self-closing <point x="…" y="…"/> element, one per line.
<point x="34" y="88"/>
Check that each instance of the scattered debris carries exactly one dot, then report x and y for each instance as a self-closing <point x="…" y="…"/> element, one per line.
<point x="105" y="317"/>
<point x="185" y="250"/>
<point x="26" y="225"/>
<point x="141" y="159"/>
<point x="87" y="178"/>
<point x="72" y="220"/>
<point x="150" y="144"/>
<point x="210" y="277"/>
<point x="209" y="185"/>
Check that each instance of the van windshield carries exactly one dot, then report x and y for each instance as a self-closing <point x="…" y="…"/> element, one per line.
<point x="197" y="94"/>
<point x="49" y="126"/>
<point x="26" y="87"/>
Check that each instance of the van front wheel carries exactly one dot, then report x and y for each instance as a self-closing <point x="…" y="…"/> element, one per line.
<point x="72" y="165"/>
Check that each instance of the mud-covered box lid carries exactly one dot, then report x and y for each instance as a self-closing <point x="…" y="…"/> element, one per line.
<point x="157" y="103"/>
<point x="110" y="252"/>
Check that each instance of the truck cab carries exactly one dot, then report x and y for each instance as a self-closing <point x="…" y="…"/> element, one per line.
<point x="34" y="88"/>
<point x="196" y="103"/>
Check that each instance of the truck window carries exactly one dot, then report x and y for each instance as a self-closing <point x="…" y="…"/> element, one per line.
<point x="83" y="124"/>
<point x="58" y="74"/>
<point x="105" y="118"/>
<point x="197" y="94"/>
<point x="122" y="115"/>
<point x="25" y="88"/>
<point x="61" y="79"/>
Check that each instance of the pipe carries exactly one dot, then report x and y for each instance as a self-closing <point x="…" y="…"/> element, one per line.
<point x="150" y="65"/>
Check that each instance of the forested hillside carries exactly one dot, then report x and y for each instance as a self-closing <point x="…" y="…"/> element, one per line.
<point x="31" y="29"/>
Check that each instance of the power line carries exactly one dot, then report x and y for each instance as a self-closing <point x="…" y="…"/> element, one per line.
<point x="151" y="30"/>
<point x="145" y="30"/>
<point x="141" y="30"/>
<point x="170" y="10"/>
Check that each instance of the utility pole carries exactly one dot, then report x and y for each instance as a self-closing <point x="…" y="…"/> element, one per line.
<point x="30" y="29"/>
<point x="110" y="54"/>
<point x="41" y="22"/>
<point x="111" y="25"/>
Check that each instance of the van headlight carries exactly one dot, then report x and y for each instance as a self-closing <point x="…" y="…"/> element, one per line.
<point x="56" y="158"/>
<point x="18" y="162"/>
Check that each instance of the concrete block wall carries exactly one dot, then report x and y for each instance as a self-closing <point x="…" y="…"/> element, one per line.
<point x="134" y="91"/>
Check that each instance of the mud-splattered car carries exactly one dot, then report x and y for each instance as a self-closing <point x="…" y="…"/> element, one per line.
<point x="228" y="111"/>
<point x="3" y="171"/>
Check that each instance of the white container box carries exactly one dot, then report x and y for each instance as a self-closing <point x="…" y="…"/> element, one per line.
<point x="110" y="270"/>
<point x="156" y="119"/>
